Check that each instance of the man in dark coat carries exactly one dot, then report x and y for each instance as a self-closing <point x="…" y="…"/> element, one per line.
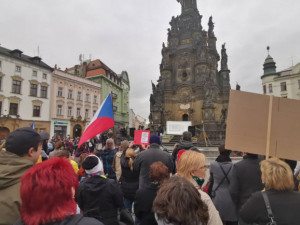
<point x="245" y="180"/>
<point x="144" y="160"/>
<point x="184" y="144"/>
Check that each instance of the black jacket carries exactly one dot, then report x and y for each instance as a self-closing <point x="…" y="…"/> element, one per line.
<point x="143" y="204"/>
<point x="285" y="206"/>
<point x="245" y="180"/>
<point x="100" y="198"/>
<point x="73" y="220"/>
<point x="144" y="160"/>
<point x="129" y="180"/>
<point x="183" y="145"/>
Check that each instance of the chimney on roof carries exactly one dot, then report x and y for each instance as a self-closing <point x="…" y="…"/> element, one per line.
<point x="84" y="69"/>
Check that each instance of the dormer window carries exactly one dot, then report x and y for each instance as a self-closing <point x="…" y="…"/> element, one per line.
<point x="16" y="53"/>
<point x="18" y="69"/>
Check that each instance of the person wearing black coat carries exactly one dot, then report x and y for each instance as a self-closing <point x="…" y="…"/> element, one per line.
<point x="145" y="196"/>
<point x="98" y="196"/>
<point x="129" y="180"/>
<point x="284" y="202"/>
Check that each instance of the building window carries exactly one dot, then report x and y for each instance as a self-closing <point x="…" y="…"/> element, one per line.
<point x="265" y="89"/>
<point x="59" y="110"/>
<point x="44" y="76"/>
<point x="16" y="87"/>
<point x="79" y="96"/>
<point x="34" y="73"/>
<point x="13" y="108"/>
<point x="283" y="86"/>
<point x="87" y="97"/>
<point x="270" y="88"/>
<point x="36" y="111"/>
<point x="18" y="68"/>
<point x="86" y="113"/>
<point x="69" y="110"/>
<point x="70" y="94"/>
<point x="78" y="112"/>
<point x="95" y="99"/>
<point x="60" y="91"/>
<point x="44" y="91"/>
<point x="33" y="90"/>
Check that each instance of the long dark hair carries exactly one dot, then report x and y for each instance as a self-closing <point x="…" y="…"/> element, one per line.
<point x="179" y="202"/>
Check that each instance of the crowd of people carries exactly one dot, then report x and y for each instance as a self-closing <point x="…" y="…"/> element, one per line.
<point x="48" y="181"/>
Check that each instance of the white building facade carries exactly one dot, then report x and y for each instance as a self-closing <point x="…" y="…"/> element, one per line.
<point x="25" y="84"/>
<point x="284" y="84"/>
<point x="74" y="101"/>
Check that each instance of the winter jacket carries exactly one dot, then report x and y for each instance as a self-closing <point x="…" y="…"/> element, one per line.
<point x="107" y="156"/>
<point x="100" y="198"/>
<point x="144" y="160"/>
<point x="129" y="180"/>
<point x="12" y="167"/>
<point x="183" y="145"/>
<point x="143" y="204"/>
<point x="285" y="206"/>
<point x="116" y="166"/>
<point x="245" y="180"/>
<point x="72" y="220"/>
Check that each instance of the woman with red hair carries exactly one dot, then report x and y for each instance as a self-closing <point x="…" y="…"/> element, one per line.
<point x="47" y="193"/>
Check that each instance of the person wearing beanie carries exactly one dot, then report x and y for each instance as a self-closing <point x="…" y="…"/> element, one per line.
<point x="99" y="197"/>
<point x="144" y="160"/>
<point x="22" y="150"/>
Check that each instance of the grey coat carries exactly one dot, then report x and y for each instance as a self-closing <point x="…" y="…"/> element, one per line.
<point x="222" y="198"/>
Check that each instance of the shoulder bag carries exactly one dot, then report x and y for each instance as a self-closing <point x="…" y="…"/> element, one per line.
<point x="269" y="210"/>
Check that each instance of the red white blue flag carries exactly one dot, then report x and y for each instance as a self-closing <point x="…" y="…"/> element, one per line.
<point x="102" y="121"/>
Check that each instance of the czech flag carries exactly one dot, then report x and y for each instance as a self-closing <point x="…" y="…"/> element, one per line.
<point x="102" y="121"/>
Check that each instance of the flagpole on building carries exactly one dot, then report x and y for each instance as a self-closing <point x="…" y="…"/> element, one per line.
<point x="114" y="130"/>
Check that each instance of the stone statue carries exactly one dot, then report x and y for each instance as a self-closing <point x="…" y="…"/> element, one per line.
<point x="153" y="86"/>
<point x="210" y="28"/>
<point x="224" y="59"/>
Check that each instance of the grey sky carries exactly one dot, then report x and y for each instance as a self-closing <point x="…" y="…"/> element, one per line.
<point x="128" y="34"/>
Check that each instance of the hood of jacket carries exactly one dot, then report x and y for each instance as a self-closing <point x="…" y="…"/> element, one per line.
<point x="12" y="167"/>
<point x="95" y="184"/>
<point x="185" y="145"/>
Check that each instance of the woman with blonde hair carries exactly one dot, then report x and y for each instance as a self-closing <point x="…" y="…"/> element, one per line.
<point x="284" y="203"/>
<point x="129" y="180"/>
<point x="191" y="166"/>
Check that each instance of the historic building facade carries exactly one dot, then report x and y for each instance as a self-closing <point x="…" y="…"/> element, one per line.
<point x="284" y="84"/>
<point x="24" y="91"/>
<point x="74" y="102"/>
<point x="117" y="84"/>
<point x="190" y="86"/>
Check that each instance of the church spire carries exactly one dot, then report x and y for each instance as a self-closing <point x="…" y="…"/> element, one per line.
<point x="187" y="4"/>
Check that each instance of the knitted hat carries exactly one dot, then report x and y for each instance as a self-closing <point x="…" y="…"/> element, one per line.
<point x="92" y="164"/>
<point x="155" y="139"/>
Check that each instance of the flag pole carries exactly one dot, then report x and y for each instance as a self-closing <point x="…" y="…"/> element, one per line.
<point x="112" y="103"/>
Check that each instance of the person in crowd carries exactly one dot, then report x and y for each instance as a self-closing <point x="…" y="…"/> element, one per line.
<point x="179" y="202"/>
<point x="117" y="159"/>
<point x="45" y="137"/>
<point x="52" y="182"/>
<point x="67" y="154"/>
<point x="144" y="197"/>
<point x="107" y="155"/>
<point x="184" y="144"/>
<point x="82" y="149"/>
<point x="103" y="139"/>
<point x="191" y="166"/>
<point x="23" y="148"/>
<point x="220" y="176"/>
<point x="4" y="131"/>
<point x="99" y="197"/>
<point x="80" y="172"/>
<point x="144" y="159"/>
<point x="129" y="180"/>
<point x="278" y="179"/>
<point x="245" y="180"/>
<point x="50" y="146"/>
<point x="57" y="147"/>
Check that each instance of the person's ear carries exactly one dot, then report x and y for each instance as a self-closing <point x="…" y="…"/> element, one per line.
<point x="30" y="152"/>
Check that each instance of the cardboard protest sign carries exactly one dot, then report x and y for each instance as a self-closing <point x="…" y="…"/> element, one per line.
<point x="264" y="125"/>
<point x="141" y="137"/>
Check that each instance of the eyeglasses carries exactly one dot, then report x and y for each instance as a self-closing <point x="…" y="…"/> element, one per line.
<point x="205" y="167"/>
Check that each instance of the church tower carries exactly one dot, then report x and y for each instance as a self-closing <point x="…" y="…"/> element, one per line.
<point x="190" y="86"/>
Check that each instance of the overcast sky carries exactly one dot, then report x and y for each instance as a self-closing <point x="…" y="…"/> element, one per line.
<point x="128" y="35"/>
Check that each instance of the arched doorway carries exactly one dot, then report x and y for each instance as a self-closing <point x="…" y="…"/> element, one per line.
<point x="185" y="117"/>
<point x="77" y="130"/>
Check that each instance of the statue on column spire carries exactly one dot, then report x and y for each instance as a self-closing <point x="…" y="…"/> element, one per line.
<point x="211" y="28"/>
<point x="224" y="58"/>
<point x="185" y="4"/>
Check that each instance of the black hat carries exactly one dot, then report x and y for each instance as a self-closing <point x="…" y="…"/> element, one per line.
<point x="44" y="135"/>
<point x="21" y="140"/>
